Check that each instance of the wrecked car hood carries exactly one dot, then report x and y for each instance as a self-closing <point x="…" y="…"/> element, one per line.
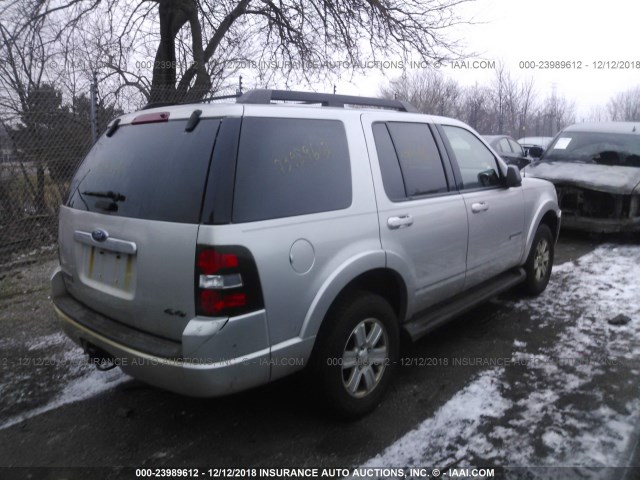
<point x="605" y="178"/>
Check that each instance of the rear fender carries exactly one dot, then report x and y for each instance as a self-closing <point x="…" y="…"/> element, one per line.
<point x="334" y="284"/>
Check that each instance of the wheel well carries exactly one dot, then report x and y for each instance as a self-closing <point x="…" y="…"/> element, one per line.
<point x="551" y="220"/>
<point x="384" y="282"/>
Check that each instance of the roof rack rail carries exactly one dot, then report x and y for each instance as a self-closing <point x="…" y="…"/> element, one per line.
<point x="264" y="97"/>
<point x="219" y="97"/>
<point x="158" y="104"/>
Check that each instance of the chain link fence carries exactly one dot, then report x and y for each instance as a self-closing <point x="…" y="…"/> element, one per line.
<point x="37" y="165"/>
<point x="40" y="150"/>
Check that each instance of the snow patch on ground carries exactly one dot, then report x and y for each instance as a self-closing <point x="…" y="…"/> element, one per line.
<point x="79" y="389"/>
<point x="558" y="408"/>
<point x="569" y="403"/>
<point x="77" y="381"/>
<point x="458" y="421"/>
<point x="46" y="341"/>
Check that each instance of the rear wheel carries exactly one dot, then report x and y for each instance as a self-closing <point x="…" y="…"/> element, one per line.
<point x="356" y="354"/>
<point x="540" y="262"/>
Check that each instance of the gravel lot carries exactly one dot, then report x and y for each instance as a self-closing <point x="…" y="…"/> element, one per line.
<point x="537" y="383"/>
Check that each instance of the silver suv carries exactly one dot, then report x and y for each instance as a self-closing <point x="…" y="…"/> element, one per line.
<point x="207" y="249"/>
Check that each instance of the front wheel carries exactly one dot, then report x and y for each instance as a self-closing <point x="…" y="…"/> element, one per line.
<point x="357" y="354"/>
<point x="540" y="262"/>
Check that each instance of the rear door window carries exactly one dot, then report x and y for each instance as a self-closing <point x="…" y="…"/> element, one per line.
<point x="389" y="165"/>
<point x="288" y="167"/>
<point x="153" y="171"/>
<point x="409" y="159"/>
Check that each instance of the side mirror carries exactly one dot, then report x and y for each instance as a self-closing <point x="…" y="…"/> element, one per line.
<point x="513" y="177"/>
<point x="535" y="152"/>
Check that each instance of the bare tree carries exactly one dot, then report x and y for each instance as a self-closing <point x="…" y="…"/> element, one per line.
<point x="309" y="33"/>
<point x="500" y="84"/>
<point x="520" y="101"/>
<point x="598" y="114"/>
<point x="45" y="112"/>
<point x="476" y="108"/>
<point x="513" y="102"/>
<point x="25" y="56"/>
<point x="506" y="106"/>
<point x="625" y="106"/>
<point x="428" y="90"/>
<point x="557" y="113"/>
<point x="525" y="104"/>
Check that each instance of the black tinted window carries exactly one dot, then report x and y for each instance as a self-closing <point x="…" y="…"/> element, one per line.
<point x="419" y="158"/>
<point x="389" y="166"/>
<point x="290" y="167"/>
<point x="154" y="171"/>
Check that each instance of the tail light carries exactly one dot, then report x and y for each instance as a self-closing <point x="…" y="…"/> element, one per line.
<point x="226" y="282"/>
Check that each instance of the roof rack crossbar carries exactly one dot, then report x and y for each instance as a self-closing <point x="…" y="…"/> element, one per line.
<point x="264" y="96"/>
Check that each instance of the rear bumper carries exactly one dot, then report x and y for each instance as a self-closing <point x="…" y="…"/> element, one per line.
<point x="216" y="357"/>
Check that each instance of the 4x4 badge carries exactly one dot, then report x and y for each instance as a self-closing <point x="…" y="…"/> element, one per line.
<point x="99" y="235"/>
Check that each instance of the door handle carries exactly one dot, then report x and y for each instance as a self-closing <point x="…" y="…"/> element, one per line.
<point x="400" y="222"/>
<point x="479" y="207"/>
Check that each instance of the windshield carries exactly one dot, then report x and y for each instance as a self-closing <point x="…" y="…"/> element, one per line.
<point x="604" y="148"/>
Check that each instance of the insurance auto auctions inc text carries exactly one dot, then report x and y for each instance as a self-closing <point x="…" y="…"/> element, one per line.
<point x="377" y="472"/>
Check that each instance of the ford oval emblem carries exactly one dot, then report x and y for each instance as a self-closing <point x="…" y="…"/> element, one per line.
<point x="99" y="235"/>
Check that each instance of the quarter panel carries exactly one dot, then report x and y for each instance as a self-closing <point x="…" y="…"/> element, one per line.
<point x="296" y="255"/>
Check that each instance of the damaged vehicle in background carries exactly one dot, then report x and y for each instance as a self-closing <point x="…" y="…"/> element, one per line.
<point x="595" y="168"/>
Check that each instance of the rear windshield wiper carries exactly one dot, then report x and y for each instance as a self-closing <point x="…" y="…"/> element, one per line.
<point x="115" y="196"/>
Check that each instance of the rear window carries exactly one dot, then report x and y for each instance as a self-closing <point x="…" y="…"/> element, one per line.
<point x="153" y="171"/>
<point x="289" y="167"/>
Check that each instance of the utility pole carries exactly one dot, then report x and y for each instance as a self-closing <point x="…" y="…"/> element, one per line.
<point x="94" y="108"/>
<point x="239" y="89"/>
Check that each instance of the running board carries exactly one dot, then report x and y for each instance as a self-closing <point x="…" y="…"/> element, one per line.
<point x="430" y="319"/>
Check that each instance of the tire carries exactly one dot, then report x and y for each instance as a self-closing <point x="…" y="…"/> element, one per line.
<point x="356" y="354"/>
<point x="540" y="262"/>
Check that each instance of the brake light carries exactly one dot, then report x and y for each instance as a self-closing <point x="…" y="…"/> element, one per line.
<point x="226" y="282"/>
<point x="151" y="118"/>
<point x="211" y="261"/>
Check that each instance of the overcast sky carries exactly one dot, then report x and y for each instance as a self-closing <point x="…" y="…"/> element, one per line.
<point x="544" y="30"/>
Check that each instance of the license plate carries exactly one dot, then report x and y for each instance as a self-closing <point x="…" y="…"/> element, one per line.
<point x="110" y="269"/>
